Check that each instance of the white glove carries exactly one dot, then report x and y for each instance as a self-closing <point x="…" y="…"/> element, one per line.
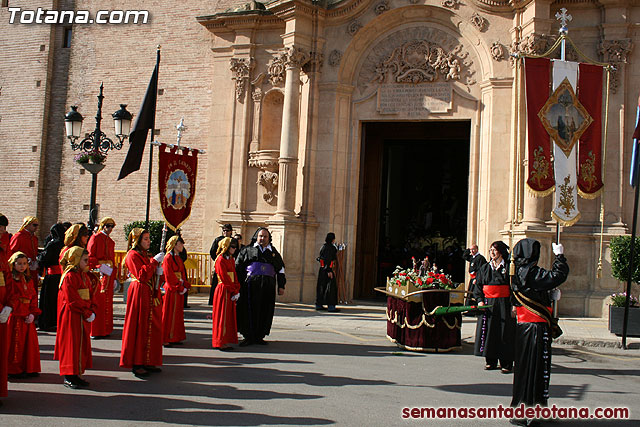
<point x="235" y="297"/>
<point x="184" y="291"/>
<point x="91" y="318"/>
<point x="555" y="294"/>
<point x="159" y="271"/>
<point x="159" y="257"/>
<point x="29" y="319"/>
<point x="557" y="249"/>
<point x="33" y="265"/>
<point x="4" y="314"/>
<point x="105" y="269"/>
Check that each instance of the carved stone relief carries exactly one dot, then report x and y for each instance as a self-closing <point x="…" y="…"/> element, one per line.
<point x="315" y="62"/>
<point x="334" y="58"/>
<point x="416" y="55"/>
<point x="269" y="180"/>
<point x="497" y="51"/>
<point x="295" y="57"/>
<point x="381" y="7"/>
<point x="478" y="21"/>
<point x="241" y="68"/>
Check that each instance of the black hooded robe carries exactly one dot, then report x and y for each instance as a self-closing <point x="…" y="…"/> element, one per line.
<point x="532" y="369"/>
<point x="326" y="288"/>
<point x="256" y="305"/>
<point x="49" y="258"/>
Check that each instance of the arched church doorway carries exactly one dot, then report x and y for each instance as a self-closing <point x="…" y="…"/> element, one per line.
<point x="414" y="188"/>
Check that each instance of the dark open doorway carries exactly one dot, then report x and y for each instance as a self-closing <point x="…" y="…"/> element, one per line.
<point x="414" y="183"/>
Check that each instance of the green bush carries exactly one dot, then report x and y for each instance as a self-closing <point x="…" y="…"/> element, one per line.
<point x="155" y="231"/>
<point x="620" y="250"/>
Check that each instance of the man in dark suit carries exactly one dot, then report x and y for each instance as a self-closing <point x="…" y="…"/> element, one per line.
<point x="475" y="261"/>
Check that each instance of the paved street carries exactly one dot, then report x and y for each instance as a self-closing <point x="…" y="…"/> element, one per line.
<point x="318" y="369"/>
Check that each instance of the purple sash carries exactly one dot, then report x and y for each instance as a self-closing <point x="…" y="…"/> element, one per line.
<point x="260" y="269"/>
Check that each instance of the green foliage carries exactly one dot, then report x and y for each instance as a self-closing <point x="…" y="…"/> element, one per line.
<point x="620" y="251"/>
<point x="155" y="231"/>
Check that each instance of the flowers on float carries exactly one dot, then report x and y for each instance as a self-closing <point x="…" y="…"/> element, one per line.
<point x="433" y="279"/>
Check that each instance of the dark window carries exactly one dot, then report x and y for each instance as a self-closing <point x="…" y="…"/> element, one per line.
<point x="67" y="37"/>
<point x="5" y="3"/>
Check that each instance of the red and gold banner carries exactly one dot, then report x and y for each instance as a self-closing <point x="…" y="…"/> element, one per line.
<point x="177" y="183"/>
<point x="590" y="146"/>
<point x="540" y="177"/>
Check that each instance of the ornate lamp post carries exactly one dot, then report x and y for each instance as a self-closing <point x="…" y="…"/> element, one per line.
<point x="96" y="145"/>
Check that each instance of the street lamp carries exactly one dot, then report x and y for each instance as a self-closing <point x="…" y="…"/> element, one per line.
<point x="96" y="145"/>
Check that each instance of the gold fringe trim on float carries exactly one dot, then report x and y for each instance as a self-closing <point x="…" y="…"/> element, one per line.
<point x="564" y="223"/>
<point x="423" y="349"/>
<point x="405" y="324"/>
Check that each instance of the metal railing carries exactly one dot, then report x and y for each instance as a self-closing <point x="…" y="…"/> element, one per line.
<point x="199" y="266"/>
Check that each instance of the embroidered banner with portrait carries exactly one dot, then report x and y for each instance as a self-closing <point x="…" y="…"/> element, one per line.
<point x="178" y="169"/>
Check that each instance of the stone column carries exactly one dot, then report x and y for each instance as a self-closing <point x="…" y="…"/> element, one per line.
<point x="288" y="161"/>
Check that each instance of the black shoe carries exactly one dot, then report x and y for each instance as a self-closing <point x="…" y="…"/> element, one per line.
<point x="140" y="372"/>
<point x="71" y="382"/>
<point x="153" y="369"/>
<point x="335" y="310"/>
<point x="82" y="382"/>
<point x="32" y="374"/>
<point x="320" y="308"/>
<point x="19" y="376"/>
<point x="488" y="367"/>
<point x="225" y="348"/>
<point x="188" y="306"/>
<point x="176" y="343"/>
<point x="261" y="341"/>
<point x="245" y="342"/>
<point x="168" y="345"/>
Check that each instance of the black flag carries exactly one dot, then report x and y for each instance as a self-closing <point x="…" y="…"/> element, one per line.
<point x="145" y="121"/>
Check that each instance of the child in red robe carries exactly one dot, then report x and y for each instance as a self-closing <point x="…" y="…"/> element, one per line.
<point x="73" y="343"/>
<point x="225" y="328"/>
<point x="142" y="332"/>
<point x="24" y="350"/>
<point x="103" y="258"/>
<point x="175" y="286"/>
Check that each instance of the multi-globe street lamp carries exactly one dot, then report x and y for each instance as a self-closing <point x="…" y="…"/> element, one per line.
<point x="96" y="145"/>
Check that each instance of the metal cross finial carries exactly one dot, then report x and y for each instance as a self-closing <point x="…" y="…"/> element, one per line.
<point x="563" y="17"/>
<point x="181" y="128"/>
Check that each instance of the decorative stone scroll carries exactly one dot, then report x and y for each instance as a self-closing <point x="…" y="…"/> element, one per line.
<point x="497" y="51"/>
<point x="241" y="67"/>
<point x="616" y="53"/>
<point x="295" y="57"/>
<point x="381" y="7"/>
<point x="418" y="61"/>
<point x="451" y="4"/>
<point x="269" y="180"/>
<point x="353" y="27"/>
<point x="335" y="57"/>
<point x="478" y="21"/>
<point x="276" y="68"/>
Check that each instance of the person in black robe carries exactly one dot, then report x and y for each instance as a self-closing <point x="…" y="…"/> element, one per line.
<point x="476" y="261"/>
<point x="227" y="231"/>
<point x="260" y="270"/>
<point x="327" y="287"/>
<point x="49" y="260"/>
<point x="496" y="327"/>
<point x="530" y="286"/>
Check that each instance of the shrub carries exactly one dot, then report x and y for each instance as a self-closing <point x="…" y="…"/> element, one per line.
<point x="620" y="250"/>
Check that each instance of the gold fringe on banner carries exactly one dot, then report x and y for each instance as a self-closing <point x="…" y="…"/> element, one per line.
<point x="564" y="223"/>
<point x="536" y="193"/>
<point x="591" y="196"/>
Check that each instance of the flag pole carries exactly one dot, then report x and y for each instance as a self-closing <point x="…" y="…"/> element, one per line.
<point x="631" y="263"/>
<point x="146" y="220"/>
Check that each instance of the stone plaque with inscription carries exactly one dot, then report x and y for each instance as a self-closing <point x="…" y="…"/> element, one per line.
<point x="414" y="100"/>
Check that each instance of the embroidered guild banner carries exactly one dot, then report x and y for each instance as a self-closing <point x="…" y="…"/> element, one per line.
<point x="178" y="169"/>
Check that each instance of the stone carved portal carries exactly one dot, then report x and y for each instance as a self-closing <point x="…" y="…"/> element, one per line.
<point x="416" y="55"/>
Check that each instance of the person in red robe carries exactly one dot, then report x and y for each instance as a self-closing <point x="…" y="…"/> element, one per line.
<point x="73" y="344"/>
<point x="25" y="241"/>
<point x="24" y="350"/>
<point x="102" y="257"/>
<point x="175" y="286"/>
<point x="5" y="309"/>
<point x="142" y="331"/>
<point x="225" y="328"/>
<point x="78" y="235"/>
